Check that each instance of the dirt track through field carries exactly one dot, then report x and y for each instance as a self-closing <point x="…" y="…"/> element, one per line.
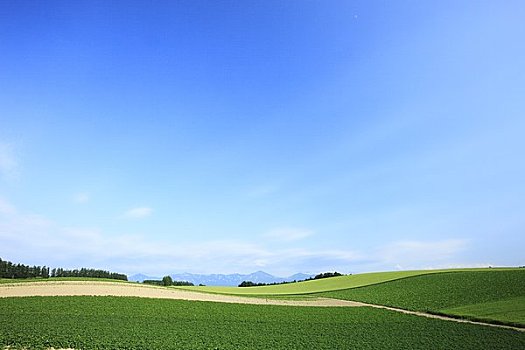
<point x="71" y="288"/>
<point x="96" y="288"/>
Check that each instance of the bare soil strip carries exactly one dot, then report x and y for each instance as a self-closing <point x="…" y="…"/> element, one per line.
<point x="97" y="288"/>
<point x="78" y="288"/>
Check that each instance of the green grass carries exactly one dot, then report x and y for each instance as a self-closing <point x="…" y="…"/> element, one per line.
<point x="323" y="285"/>
<point x="134" y="323"/>
<point x="507" y="310"/>
<point x="445" y="291"/>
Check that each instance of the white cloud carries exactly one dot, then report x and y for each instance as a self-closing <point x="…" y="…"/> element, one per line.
<point x="407" y="254"/>
<point x="33" y="239"/>
<point x="6" y="208"/>
<point x="288" y="234"/>
<point x="288" y="261"/>
<point x="138" y="213"/>
<point x="81" y="198"/>
<point x="8" y="163"/>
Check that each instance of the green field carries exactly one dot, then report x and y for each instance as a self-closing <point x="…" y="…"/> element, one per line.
<point x="493" y="295"/>
<point x="135" y="323"/>
<point x="505" y="311"/>
<point x="444" y="292"/>
<point x="327" y="284"/>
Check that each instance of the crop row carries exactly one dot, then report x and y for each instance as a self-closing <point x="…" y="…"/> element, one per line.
<point x="327" y="284"/>
<point x="134" y="323"/>
<point x="436" y="292"/>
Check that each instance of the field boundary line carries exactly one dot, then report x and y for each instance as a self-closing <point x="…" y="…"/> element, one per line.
<point x="67" y="288"/>
<point x="441" y="317"/>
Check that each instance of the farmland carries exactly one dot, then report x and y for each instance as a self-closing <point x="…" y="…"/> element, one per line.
<point x="449" y="292"/>
<point x="490" y="295"/>
<point x="329" y="284"/>
<point x="130" y="322"/>
<point x="504" y="311"/>
<point x="135" y="323"/>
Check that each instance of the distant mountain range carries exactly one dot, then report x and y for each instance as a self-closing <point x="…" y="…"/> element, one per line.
<point x="224" y="280"/>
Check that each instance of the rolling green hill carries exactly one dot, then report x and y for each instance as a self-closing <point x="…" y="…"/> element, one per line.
<point x="327" y="284"/>
<point x="491" y="294"/>
<point x="505" y="310"/>
<point x="138" y="323"/>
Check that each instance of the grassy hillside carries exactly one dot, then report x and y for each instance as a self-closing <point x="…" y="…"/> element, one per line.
<point x="444" y="292"/>
<point x="135" y="323"/>
<point x="493" y="295"/>
<point x="506" y="310"/>
<point x="323" y="285"/>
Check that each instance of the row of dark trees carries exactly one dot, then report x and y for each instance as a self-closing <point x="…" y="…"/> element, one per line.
<point x="325" y="275"/>
<point x="316" y="277"/>
<point x="253" y="284"/>
<point x="167" y="281"/>
<point x="11" y="270"/>
<point x="90" y="273"/>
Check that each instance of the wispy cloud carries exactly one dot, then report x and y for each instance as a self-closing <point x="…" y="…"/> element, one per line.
<point x="407" y="254"/>
<point x="81" y="198"/>
<point x="6" y="208"/>
<point x="33" y="239"/>
<point x="138" y="213"/>
<point x="8" y="162"/>
<point x="287" y="261"/>
<point x="288" y="234"/>
<point x="30" y="239"/>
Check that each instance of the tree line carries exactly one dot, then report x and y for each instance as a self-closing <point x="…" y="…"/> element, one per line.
<point x="90" y="273"/>
<point x="316" y="277"/>
<point x="168" y="281"/>
<point x="325" y="275"/>
<point x="12" y="270"/>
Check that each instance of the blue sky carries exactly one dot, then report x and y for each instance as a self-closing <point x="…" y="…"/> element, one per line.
<point x="235" y="136"/>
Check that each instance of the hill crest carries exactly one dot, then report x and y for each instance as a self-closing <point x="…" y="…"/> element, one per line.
<point x="224" y="279"/>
